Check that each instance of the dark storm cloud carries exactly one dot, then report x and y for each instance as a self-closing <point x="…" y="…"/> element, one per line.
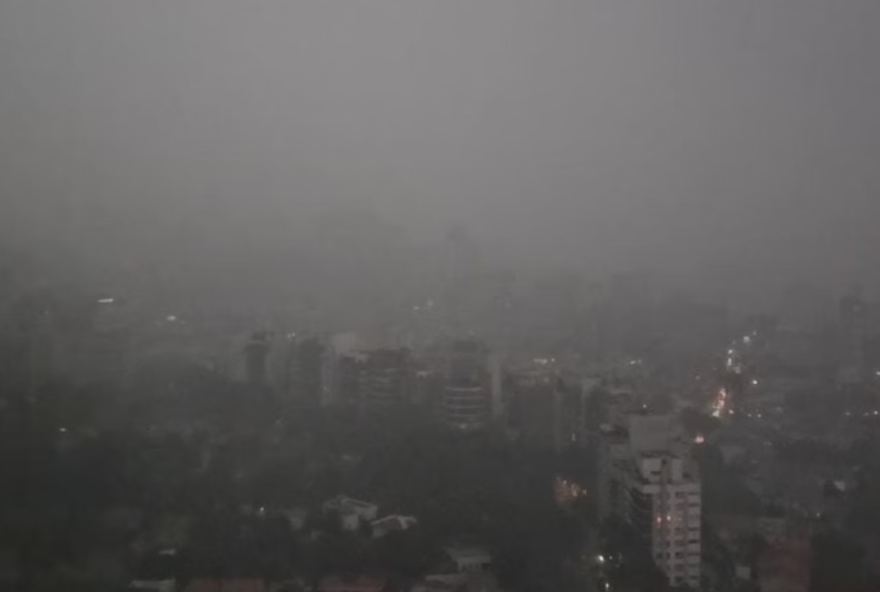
<point x="677" y="134"/>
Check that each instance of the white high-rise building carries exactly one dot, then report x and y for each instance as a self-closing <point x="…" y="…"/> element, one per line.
<point x="648" y="478"/>
<point x="665" y="507"/>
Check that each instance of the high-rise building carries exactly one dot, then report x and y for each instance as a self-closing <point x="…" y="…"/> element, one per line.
<point x="612" y="463"/>
<point x="298" y="370"/>
<point x="379" y="381"/>
<point x="461" y="263"/>
<point x="853" y="324"/>
<point x="647" y="478"/>
<point x="542" y="411"/>
<point x="256" y="353"/>
<point x="467" y="386"/>
<point x="346" y="370"/>
<point x="385" y="381"/>
<point x="665" y="510"/>
<point x="308" y="375"/>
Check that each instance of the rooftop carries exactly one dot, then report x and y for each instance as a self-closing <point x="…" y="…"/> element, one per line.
<point x="466" y="552"/>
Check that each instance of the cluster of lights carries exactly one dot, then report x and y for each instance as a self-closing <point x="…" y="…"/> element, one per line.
<point x="668" y="518"/>
<point x="567" y="491"/>
<point x="544" y="361"/>
<point x="720" y="403"/>
<point x="732" y="364"/>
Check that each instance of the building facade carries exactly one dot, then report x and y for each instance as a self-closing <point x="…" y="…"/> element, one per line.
<point x="647" y="478"/>
<point x="466" y="398"/>
<point x="665" y="508"/>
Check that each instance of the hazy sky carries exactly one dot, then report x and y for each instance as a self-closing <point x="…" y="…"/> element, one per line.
<point x="596" y="133"/>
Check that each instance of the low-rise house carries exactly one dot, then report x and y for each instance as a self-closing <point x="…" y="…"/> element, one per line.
<point x="351" y="511"/>
<point x="393" y="523"/>
<point x="296" y="517"/>
<point x="344" y="505"/>
<point x="349" y="522"/>
<point x="469" y="558"/>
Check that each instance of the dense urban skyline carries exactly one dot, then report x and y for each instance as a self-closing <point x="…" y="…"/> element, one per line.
<point x="400" y="296"/>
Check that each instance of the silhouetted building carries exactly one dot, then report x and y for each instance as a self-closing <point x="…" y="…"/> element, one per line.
<point x="346" y="373"/>
<point x="385" y="380"/>
<point x="647" y="477"/>
<point x="854" y="325"/>
<point x="377" y="381"/>
<point x="307" y="378"/>
<point x="256" y="354"/>
<point x="541" y="410"/>
<point x="298" y="370"/>
<point x="665" y="509"/>
<point x="467" y="386"/>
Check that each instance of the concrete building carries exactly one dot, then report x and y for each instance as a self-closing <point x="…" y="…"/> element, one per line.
<point x="352" y="512"/>
<point x="469" y="558"/>
<point x="613" y="462"/>
<point x="342" y="503"/>
<point x="464" y="406"/>
<point x="256" y="354"/>
<point x="665" y="508"/>
<point x="467" y="390"/>
<point x="853" y="329"/>
<point x="647" y="478"/>
<point x="345" y="372"/>
<point x="385" y="380"/>
<point x="542" y="410"/>
<point x="298" y="370"/>
<point x="376" y="381"/>
<point x="393" y="523"/>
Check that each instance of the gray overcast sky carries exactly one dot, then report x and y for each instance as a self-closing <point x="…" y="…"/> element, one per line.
<point x="596" y="133"/>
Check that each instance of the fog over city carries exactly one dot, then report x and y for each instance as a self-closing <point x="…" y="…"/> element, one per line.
<point x="674" y="137"/>
<point x="440" y="295"/>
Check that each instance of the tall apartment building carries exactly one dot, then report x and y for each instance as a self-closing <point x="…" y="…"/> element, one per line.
<point x="614" y="459"/>
<point x="647" y="478"/>
<point x="375" y="381"/>
<point x="256" y="353"/>
<point x="298" y="370"/>
<point x="385" y="380"/>
<point x="542" y="410"/>
<point x="466" y="399"/>
<point x="665" y="510"/>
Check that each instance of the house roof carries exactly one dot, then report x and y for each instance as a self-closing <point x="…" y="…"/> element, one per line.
<point x="470" y="552"/>
<point x="393" y="523"/>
